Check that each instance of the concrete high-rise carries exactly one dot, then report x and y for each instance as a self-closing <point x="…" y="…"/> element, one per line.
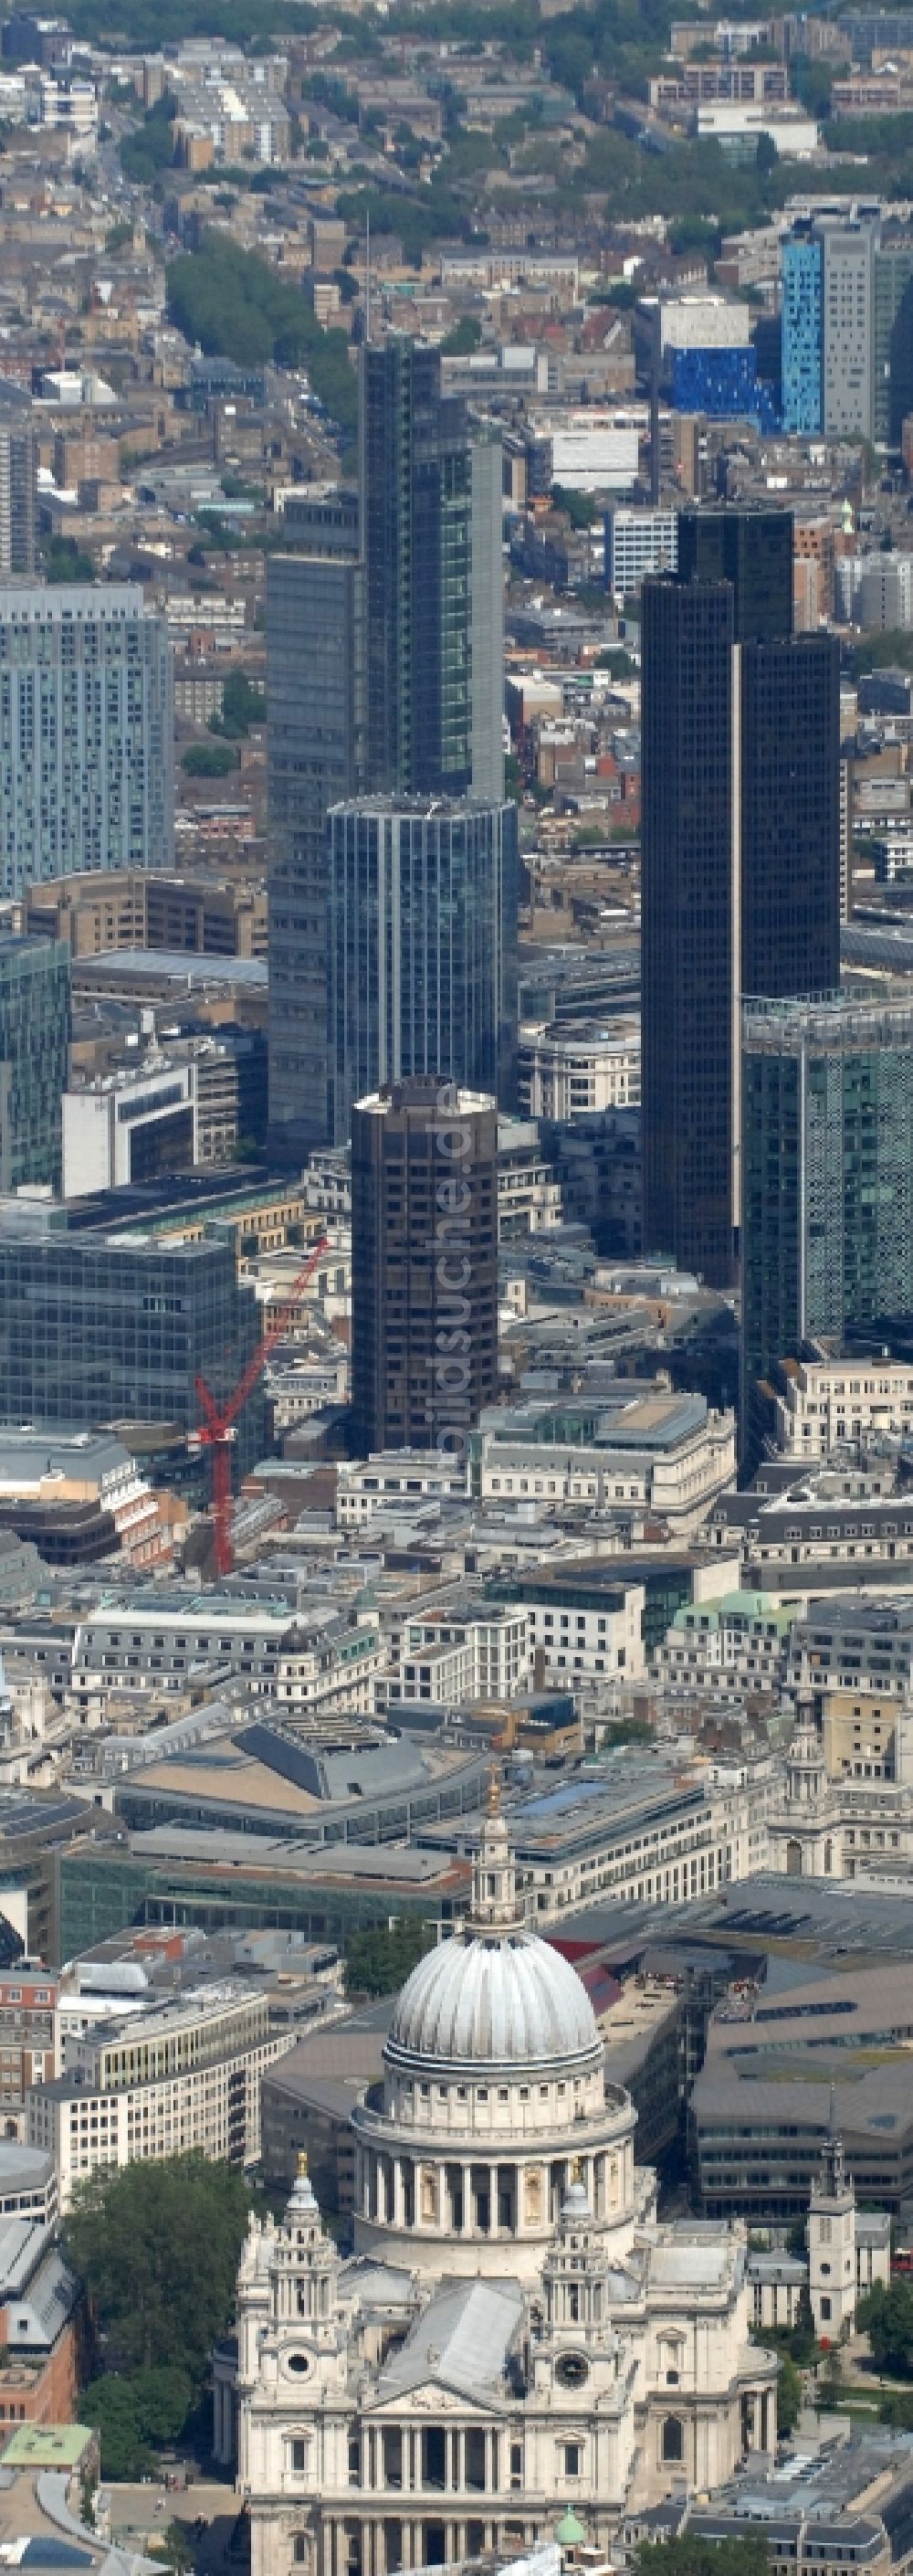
<point x="315" y="738"/>
<point x="34" y="1059"/>
<point x="827" y="1125"/>
<point x="422" y="947"/>
<point x="424" y="1266"/>
<point x="86" y="733"/>
<point x="740" y="862"/>
<point x="18" y="482"/>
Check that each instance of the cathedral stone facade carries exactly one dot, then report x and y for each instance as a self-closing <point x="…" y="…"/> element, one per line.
<point x="516" y="2333"/>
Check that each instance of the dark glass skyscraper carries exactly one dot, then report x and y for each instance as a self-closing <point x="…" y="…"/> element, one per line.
<point x="751" y="549"/>
<point x="790" y="815"/>
<point x="690" y="916"/>
<point x="315" y="700"/>
<point x="740" y="855"/>
<point x="424" y="1266"/>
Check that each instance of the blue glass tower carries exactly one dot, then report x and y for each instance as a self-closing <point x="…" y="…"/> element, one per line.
<point x="802" y="282"/>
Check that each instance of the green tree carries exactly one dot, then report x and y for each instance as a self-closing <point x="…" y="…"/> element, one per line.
<point x="379" y="1960"/>
<point x="619" y="664"/>
<point x="896" y="2408"/>
<point x="150" y="149"/>
<point x="242" y="706"/>
<point x="766" y="156"/>
<point x="579" y="507"/>
<point x="463" y="339"/>
<point x="236" y="306"/>
<point x="789" y="2396"/>
<point x="164" y="2397"/>
<point x="63" y="560"/>
<point x="693" y="2557"/>
<point x="110" y="2404"/>
<point x="176" y="2548"/>
<point x="209" y="759"/>
<point x="886" y="2316"/>
<point x="157" y="2247"/>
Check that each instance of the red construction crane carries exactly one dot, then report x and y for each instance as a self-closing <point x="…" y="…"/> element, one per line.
<point x="218" y="1430"/>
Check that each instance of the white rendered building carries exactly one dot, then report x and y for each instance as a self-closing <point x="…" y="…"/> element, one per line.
<point x="515" y="2333"/>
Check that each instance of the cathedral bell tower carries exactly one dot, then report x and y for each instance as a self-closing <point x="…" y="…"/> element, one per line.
<point x="832" y="2241"/>
<point x="307" y="2266"/>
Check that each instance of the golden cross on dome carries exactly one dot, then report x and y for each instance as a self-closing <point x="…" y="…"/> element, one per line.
<point x="494" y="1789"/>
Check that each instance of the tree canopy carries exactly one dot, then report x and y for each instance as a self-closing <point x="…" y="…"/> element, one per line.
<point x="157" y="2247"/>
<point x="378" y="1961"/>
<point x="886" y="2316"/>
<point x="209" y="759"/>
<point x="234" y="304"/>
<point x="692" y="2556"/>
<point x="242" y="705"/>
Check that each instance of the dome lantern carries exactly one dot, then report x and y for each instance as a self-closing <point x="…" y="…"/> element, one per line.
<point x="496" y="1908"/>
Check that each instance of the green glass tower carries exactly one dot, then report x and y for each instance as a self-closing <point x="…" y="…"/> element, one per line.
<point x="827" y="1176"/>
<point x="34" y="1059"/>
<point x="431" y="534"/>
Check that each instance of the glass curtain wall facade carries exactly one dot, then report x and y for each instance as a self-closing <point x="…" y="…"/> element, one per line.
<point x="893" y="341"/>
<point x="740" y="856"/>
<point x="689" y="915"/>
<point x="790" y="815"/>
<point x="751" y="549"/>
<point x="416" y="505"/>
<point x="802" y="302"/>
<point x="103" y="1328"/>
<point x="86" y="733"/>
<point x="423" y="948"/>
<point x="315" y="753"/>
<point x="827" y="1117"/>
<point x="34" y="1059"/>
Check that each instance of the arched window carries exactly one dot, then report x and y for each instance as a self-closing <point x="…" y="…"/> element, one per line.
<point x="673" y="2438"/>
<point x="300" y="2549"/>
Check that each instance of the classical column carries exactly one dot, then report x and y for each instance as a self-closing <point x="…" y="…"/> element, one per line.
<point x="492" y="2200"/>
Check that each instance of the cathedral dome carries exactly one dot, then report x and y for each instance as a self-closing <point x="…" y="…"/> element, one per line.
<point x="495" y="1997"/>
<point x="482" y="2004"/>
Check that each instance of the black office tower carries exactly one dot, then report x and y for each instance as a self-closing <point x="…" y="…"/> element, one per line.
<point x="790" y="816"/>
<point x="689" y="914"/>
<point x="424" y="1266"/>
<point x="740" y="856"/>
<point x="751" y="549"/>
<point x="315" y="753"/>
